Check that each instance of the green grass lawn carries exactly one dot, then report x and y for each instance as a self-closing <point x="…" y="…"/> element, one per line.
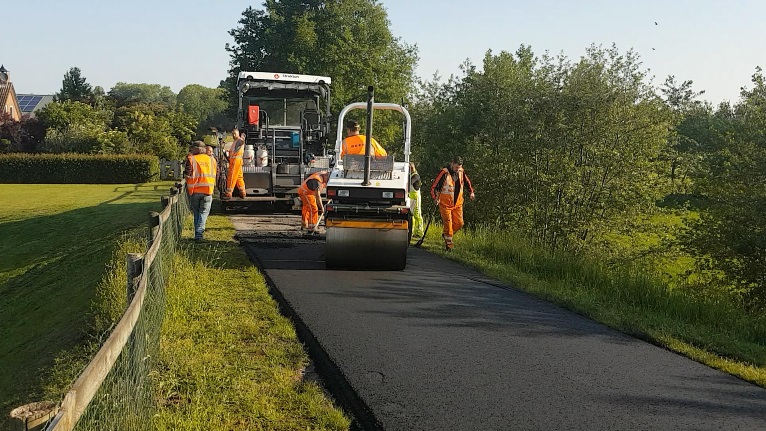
<point x="56" y="243"/>
<point x="228" y="359"/>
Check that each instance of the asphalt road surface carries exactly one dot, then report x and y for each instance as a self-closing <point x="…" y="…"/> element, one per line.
<point x="441" y="347"/>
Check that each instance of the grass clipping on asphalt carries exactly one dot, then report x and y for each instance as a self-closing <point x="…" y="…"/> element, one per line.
<point x="228" y="358"/>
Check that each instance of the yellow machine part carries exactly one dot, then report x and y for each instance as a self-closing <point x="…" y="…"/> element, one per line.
<point x="366" y="244"/>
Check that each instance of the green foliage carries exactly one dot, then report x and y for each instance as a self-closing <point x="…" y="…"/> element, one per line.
<point x="77" y="169"/>
<point x="61" y="115"/>
<point x="348" y="40"/>
<point x="731" y="232"/>
<point x="562" y="150"/>
<point x="155" y="129"/>
<point x="203" y="104"/>
<point x="127" y="94"/>
<point x="75" y="88"/>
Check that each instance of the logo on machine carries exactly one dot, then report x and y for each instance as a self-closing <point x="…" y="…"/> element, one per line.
<point x="276" y="76"/>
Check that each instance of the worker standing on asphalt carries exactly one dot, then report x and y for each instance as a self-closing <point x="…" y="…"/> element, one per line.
<point x="234" y="177"/>
<point x="311" y="200"/>
<point x="417" y="213"/>
<point x="447" y="192"/>
<point x="200" y="182"/>
<point x="355" y="143"/>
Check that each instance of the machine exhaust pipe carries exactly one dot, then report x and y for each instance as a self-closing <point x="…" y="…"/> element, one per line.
<point x="368" y="136"/>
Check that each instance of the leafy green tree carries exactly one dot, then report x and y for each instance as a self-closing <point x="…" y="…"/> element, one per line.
<point x="127" y="94"/>
<point x="150" y="129"/>
<point x="203" y="104"/>
<point x="730" y="234"/>
<point x="565" y="151"/>
<point x="74" y="87"/>
<point x="347" y="40"/>
<point x="62" y="115"/>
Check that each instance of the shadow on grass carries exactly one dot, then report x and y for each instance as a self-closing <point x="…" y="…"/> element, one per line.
<point x="49" y="273"/>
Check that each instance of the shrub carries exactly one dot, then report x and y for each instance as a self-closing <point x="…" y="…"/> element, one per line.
<point x="19" y="168"/>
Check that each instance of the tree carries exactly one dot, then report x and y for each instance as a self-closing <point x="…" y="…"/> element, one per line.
<point x="347" y="40"/>
<point x="74" y="87"/>
<point x="25" y="135"/>
<point x="202" y="103"/>
<point x="123" y="94"/>
<point x="566" y="151"/>
<point x="730" y="234"/>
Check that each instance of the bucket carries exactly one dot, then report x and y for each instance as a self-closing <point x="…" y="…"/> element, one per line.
<point x="249" y="156"/>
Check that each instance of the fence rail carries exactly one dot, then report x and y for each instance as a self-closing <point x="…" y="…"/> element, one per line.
<point x="145" y="277"/>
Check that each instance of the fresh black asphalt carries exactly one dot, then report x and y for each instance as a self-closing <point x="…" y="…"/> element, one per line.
<point x="441" y="347"/>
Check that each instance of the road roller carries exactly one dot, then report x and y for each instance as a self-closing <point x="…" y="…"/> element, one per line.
<point x="368" y="217"/>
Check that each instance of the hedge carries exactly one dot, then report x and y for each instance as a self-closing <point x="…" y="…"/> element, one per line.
<point x="25" y="168"/>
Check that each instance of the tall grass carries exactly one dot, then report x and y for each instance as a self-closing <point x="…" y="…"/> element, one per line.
<point x="713" y="330"/>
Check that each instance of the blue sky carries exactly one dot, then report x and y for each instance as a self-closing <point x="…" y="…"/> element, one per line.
<point x="717" y="44"/>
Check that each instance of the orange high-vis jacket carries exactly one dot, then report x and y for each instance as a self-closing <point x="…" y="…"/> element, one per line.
<point x="315" y="176"/>
<point x="202" y="179"/>
<point x="355" y="144"/>
<point x="446" y="187"/>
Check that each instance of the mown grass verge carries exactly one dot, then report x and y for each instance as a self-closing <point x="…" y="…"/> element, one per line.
<point x="229" y="360"/>
<point x="60" y="247"/>
<point x="709" y="330"/>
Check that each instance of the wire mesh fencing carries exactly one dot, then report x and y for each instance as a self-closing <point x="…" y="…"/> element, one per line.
<point x="115" y="391"/>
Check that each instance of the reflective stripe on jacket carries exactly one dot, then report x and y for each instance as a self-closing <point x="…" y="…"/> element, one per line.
<point x="202" y="179"/>
<point x="446" y="194"/>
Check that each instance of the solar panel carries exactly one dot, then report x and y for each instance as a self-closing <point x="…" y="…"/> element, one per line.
<point x="27" y="102"/>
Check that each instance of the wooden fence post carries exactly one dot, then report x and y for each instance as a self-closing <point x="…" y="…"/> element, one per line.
<point x="154" y="225"/>
<point x="164" y="200"/>
<point x="33" y="417"/>
<point x="135" y="269"/>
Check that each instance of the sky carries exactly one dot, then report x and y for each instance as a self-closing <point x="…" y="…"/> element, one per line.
<point x="716" y="44"/>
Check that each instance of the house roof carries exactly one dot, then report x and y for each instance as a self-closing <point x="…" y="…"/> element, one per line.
<point x="5" y="90"/>
<point x="29" y="103"/>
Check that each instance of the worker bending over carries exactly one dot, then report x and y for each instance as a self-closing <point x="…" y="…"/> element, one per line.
<point x="200" y="182"/>
<point x="355" y="143"/>
<point x="311" y="200"/>
<point x="447" y="192"/>
<point x="234" y="177"/>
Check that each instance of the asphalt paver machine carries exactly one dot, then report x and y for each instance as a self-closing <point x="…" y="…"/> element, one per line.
<point x="368" y="219"/>
<point x="285" y="119"/>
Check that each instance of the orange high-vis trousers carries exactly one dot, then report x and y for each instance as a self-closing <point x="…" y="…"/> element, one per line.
<point x="309" y="209"/>
<point x="452" y="218"/>
<point x="235" y="178"/>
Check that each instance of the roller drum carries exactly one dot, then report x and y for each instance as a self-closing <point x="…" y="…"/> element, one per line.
<point x="371" y="248"/>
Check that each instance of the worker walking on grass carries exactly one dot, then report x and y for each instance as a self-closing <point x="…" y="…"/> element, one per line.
<point x="200" y="182"/>
<point x="355" y="143"/>
<point x="447" y="192"/>
<point x="417" y="213"/>
<point x="311" y="200"/>
<point x="234" y="178"/>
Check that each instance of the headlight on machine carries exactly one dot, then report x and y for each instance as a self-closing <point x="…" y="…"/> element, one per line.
<point x="343" y="193"/>
<point x="388" y="195"/>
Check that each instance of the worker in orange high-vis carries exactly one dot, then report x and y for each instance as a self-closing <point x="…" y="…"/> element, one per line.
<point x="234" y="176"/>
<point x="311" y="200"/>
<point x="201" y="170"/>
<point x="355" y="143"/>
<point x="447" y="192"/>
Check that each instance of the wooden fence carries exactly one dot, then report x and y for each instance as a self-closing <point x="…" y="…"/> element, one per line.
<point x="84" y="389"/>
